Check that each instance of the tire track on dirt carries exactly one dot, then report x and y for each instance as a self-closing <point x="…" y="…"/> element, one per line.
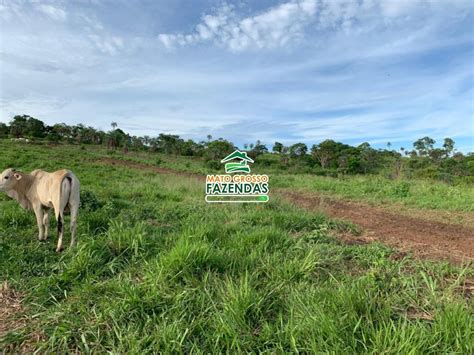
<point x="424" y="238"/>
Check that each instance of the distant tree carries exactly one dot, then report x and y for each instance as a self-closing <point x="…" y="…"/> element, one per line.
<point x="298" y="150"/>
<point x="437" y="154"/>
<point x="78" y="133"/>
<point x="389" y="145"/>
<point x="136" y="143"/>
<point x="114" y="125"/>
<point x="62" y="130"/>
<point x="52" y="135"/>
<point x="171" y="144"/>
<point x="116" y="138"/>
<point x="18" y="126"/>
<point x="91" y="136"/>
<point x="27" y="126"/>
<point x="209" y="137"/>
<point x="343" y="163"/>
<point x="191" y="148"/>
<point x="458" y="156"/>
<point x="154" y="144"/>
<point x="217" y="150"/>
<point x="3" y="130"/>
<point x="35" y="128"/>
<point x="424" y="145"/>
<point x="111" y="142"/>
<point x="246" y="146"/>
<point x="99" y="137"/>
<point x="320" y="155"/>
<point x="448" y="146"/>
<point x="368" y="157"/>
<point x="325" y="151"/>
<point x="277" y="147"/>
<point x="285" y="156"/>
<point x="258" y="149"/>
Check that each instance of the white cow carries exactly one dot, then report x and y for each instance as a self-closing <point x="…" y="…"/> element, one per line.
<point x="26" y="140"/>
<point x="41" y="191"/>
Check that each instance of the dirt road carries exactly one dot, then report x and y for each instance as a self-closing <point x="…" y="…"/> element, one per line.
<point x="423" y="238"/>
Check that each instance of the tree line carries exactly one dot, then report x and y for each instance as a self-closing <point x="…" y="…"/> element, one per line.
<point x="425" y="160"/>
<point x="328" y="157"/>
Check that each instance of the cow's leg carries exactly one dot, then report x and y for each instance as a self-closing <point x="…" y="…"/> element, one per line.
<point x="46" y="223"/>
<point x="39" y="220"/>
<point x="60" y="219"/>
<point x="74" y="209"/>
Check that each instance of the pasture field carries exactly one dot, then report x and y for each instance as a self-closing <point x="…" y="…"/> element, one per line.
<point x="158" y="269"/>
<point x="375" y="189"/>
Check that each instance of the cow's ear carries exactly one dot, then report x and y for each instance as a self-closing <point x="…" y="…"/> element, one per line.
<point x="17" y="176"/>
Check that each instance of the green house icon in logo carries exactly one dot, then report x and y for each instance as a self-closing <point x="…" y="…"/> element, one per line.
<point x="237" y="167"/>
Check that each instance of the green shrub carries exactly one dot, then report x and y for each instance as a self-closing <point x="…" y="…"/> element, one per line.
<point x="401" y="189"/>
<point x="429" y="172"/>
<point x="213" y="165"/>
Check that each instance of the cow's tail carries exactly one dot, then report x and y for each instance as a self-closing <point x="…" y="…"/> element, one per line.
<point x="73" y="203"/>
<point x="69" y="199"/>
<point x="64" y="197"/>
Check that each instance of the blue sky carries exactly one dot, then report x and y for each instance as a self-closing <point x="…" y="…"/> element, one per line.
<point x="289" y="71"/>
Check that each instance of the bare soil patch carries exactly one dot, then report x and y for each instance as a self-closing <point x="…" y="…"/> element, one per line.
<point x="12" y="318"/>
<point x="449" y="217"/>
<point x="423" y="238"/>
<point x="10" y="309"/>
<point x="10" y="306"/>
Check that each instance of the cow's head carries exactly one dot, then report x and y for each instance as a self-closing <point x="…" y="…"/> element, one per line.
<point x="9" y="179"/>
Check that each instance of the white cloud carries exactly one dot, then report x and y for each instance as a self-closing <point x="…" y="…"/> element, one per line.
<point x="10" y="9"/>
<point x="275" y="27"/>
<point x="394" y="8"/>
<point x="107" y="44"/>
<point x="53" y="12"/>
<point x="35" y="105"/>
<point x="287" y="23"/>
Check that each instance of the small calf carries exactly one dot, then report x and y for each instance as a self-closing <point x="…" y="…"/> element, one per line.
<point x="41" y="191"/>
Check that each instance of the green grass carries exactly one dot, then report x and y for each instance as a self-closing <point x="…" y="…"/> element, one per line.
<point x="414" y="194"/>
<point x="157" y="269"/>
